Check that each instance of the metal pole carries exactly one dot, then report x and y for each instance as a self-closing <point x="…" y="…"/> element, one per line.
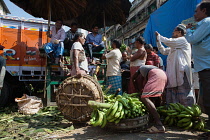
<point x="105" y="30"/>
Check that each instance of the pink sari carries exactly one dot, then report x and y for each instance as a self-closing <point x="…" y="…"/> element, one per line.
<point x="131" y="88"/>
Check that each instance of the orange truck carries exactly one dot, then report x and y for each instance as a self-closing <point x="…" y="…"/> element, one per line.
<point x="25" y="66"/>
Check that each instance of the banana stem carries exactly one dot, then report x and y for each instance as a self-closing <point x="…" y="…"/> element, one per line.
<point x="98" y="104"/>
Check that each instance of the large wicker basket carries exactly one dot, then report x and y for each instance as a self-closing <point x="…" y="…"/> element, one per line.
<point x="73" y="95"/>
<point x="130" y="125"/>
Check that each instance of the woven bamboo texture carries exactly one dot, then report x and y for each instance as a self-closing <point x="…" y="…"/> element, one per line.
<point x="73" y="95"/>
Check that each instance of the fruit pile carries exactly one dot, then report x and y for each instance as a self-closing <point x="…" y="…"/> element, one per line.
<point x="178" y="115"/>
<point x="116" y="108"/>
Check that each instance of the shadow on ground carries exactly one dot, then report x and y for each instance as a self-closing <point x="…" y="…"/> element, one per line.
<point x="105" y="134"/>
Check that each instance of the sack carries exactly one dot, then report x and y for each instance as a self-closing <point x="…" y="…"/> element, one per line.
<point x="81" y="56"/>
<point x="29" y="104"/>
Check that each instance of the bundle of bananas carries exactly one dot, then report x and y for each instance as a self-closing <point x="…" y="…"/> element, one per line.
<point x="119" y="107"/>
<point x="187" y="117"/>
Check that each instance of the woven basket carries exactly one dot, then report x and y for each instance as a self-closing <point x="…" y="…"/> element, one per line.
<point x="130" y="125"/>
<point x="73" y="95"/>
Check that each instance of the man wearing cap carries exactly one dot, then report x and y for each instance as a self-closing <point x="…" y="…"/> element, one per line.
<point x="178" y="69"/>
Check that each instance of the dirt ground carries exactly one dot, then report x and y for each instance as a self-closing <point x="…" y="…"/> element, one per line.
<point x="50" y="125"/>
<point x="96" y="133"/>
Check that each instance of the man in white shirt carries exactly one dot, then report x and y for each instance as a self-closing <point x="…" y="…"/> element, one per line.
<point x="178" y="68"/>
<point x="113" y="72"/>
<point x="55" y="47"/>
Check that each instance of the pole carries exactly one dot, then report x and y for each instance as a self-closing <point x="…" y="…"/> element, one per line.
<point x="105" y="30"/>
<point x="49" y="16"/>
<point x="46" y="68"/>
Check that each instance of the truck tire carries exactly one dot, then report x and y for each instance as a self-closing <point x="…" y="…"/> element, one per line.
<point x="5" y="94"/>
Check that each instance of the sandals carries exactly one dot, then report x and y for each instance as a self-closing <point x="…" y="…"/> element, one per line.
<point x="154" y="130"/>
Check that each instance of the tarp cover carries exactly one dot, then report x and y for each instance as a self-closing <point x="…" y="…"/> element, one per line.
<point x="167" y="17"/>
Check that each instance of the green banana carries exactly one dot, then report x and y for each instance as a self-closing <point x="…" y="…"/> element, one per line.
<point x="184" y="115"/>
<point x="104" y="122"/>
<point x="124" y="102"/>
<point x="166" y="119"/>
<point x="186" y="124"/>
<point x="181" y="106"/>
<point x="163" y="110"/>
<point x="189" y="126"/>
<point x="176" y="107"/>
<point x="112" y="114"/>
<point x="170" y="111"/>
<point x="189" y="111"/>
<point x="173" y="114"/>
<point x="117" y="121"/>
<point x="184" y="120"/>
<point x="122" y="114"/>
<point x="205" y="130"/>
<point x="118" y="97"/>
<point x="126" y="111"/>
<point x="133" y="94"/>
<point x="184" y="112"/>
<point x="113" y="119"/>
<point x="197" y="125"/>
<point x="202" y="125"/>
<point x="197" y="110"/>
<point x="93" y="114"/>
<point x="120" y="107"/>
<point x="171" y="121"/>
<point x="100" y="119"/>
<point x="117" y="114"/>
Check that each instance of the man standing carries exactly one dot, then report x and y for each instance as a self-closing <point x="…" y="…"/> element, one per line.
<point x="2" y="69"/>
<point x="55" y="48"/>
<point x="125" y="69"/>
<point x="178" y="66"/>
<point x="68" y="42"/>
<point x="200" y="40"/>
<point x="94" y="42"/>
<point x="113" y="72"/>
<point x="152" y="58"/>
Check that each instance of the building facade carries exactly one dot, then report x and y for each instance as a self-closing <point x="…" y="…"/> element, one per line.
<point x="3" y="8"/>
<point x="136" y="22"/>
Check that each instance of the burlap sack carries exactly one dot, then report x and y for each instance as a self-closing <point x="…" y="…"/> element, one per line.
<point x="29" y="104"/>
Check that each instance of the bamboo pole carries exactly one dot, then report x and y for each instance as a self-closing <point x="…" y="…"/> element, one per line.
<point x="49" y="16"/>
<point x="46" y="71"/>
<point x="105" y="30"/>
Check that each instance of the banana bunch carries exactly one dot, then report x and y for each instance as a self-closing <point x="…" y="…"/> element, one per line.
<point x="98" y="118"/>
<point x="126" y="106"/>
<point x="187" y="117"/>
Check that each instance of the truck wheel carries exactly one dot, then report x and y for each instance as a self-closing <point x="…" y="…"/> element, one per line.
<point x="5" y="93"/>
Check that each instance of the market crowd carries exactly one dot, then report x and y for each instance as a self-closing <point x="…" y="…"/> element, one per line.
<point x="140" y="69"/>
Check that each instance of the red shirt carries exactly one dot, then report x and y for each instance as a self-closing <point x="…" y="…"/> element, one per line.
<point x="153" y="59"/>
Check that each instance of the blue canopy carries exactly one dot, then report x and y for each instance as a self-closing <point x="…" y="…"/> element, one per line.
<point x="167" y="17"/>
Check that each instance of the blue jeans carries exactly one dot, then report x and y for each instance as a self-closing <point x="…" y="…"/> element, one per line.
<point x="57" y="49"/>
<point x="91" y="49"/>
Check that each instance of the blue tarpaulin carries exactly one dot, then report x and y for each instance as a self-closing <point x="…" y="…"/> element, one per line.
<point x="167" y="17"/>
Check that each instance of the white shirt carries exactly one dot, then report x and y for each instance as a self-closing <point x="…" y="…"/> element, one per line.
<point x="60" y="35"/>
<point x="178" y="61"/>
<point x="84" y="64"/>
<point x="113" y="67"/>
